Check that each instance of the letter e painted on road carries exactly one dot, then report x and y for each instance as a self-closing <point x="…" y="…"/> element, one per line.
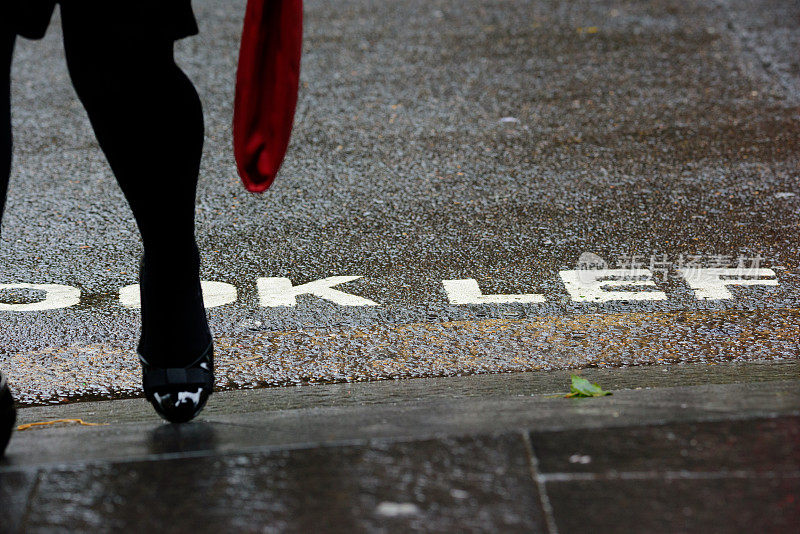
<point x="214" y="294"/>
<point x="710" y="283"/>
<point x="467" y="291"/>
<point x="588" y="285"/>
<point x="273" y="292"/>
<point x="56" y="296"/>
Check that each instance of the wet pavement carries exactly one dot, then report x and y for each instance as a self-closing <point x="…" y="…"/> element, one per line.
<point x="438" y="141"/>
<point x="487" y="453"/>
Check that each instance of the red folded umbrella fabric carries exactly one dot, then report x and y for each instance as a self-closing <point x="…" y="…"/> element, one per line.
<point x="266" y="89"/>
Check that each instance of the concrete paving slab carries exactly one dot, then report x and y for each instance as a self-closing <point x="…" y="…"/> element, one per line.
<point x="15" y="490"/>
<point x="723" y="504"/>
<point x="472" y="485"/>
<point x="765" y="446"/>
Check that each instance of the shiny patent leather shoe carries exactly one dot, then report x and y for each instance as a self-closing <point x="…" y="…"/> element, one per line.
<point x="8" y="415"/>
<point x="179" y="393"/>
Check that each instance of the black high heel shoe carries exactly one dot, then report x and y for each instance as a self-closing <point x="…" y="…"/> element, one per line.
<point x="179" y="393"/>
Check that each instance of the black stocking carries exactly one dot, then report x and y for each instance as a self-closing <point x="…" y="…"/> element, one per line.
<point x="6" y="50"/>
<point x="149" y="122"/>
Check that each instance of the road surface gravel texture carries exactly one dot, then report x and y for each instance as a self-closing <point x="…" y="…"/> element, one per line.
<point x="499" y="144"/>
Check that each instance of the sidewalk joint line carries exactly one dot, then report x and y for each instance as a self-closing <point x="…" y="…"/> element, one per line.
<point x="544" y="499"/>
<point x="669" y="475"/>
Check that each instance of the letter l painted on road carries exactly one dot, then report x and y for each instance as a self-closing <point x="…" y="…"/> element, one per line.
<point x="467" y="291"/>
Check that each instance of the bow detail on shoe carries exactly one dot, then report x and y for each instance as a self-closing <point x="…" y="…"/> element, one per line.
<point x="157" y="378"/>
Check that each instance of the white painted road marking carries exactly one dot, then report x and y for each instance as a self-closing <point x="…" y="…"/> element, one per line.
<point x="56" y="296"/>
<point x="273" y="292"/>
<point x="586" y="285"/>
<point x="214" y="294"/>
<point x="467" y="291"/>
<point x="583" y="285"/>
<point x="710" y="283"/>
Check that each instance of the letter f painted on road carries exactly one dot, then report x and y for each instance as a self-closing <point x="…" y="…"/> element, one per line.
<point x="273" y="292"/>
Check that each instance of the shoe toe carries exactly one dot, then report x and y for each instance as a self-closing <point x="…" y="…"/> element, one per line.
<point x="178" y="394"/>
<point x="180" y="406"/>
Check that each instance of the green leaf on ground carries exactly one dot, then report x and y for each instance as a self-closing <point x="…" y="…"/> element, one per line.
<point x="583" y="388"/>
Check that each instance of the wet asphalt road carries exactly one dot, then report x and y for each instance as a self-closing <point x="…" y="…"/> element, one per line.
<point x="440" y="140"/>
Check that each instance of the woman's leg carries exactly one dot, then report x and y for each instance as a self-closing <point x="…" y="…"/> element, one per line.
<point x="7" y="38"/>
<point x="149" y="122"/>
<point x="7" y="413"/>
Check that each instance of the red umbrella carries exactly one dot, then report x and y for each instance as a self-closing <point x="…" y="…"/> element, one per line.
<point x="266" y="89"/>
